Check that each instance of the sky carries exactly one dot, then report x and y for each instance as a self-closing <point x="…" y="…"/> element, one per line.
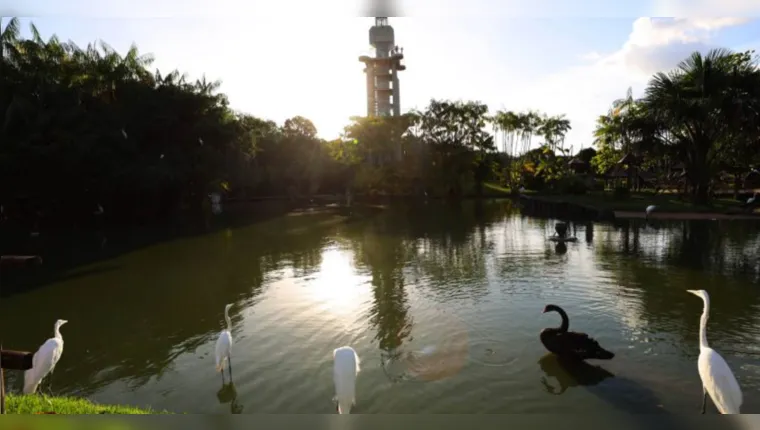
<point x="278" y="59"/>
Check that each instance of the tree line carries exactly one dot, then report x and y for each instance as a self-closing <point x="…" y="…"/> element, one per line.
<point x="87" y="126"/>
<point x="82" y="127"/>
<point x="704" y="115"/>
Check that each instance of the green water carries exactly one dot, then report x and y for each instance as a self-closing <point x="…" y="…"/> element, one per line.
<point x="468" y="282"/>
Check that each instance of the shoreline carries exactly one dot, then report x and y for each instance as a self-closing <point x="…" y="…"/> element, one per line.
<point x="603" y="206"/>
<point x="684" y="216"/>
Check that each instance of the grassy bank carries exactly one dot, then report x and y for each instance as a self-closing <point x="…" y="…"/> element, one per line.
<point x="38" y="404"/>
<point x="637" y="202"/>
<point x="496" y="189"/>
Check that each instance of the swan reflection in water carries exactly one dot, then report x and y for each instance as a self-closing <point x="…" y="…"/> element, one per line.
<point x="228" y="394"/>
<point x="570" y="373"/>
<point x="622" y="393"/>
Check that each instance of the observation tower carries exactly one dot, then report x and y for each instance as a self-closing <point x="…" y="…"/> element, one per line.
<point x="383" y="91"/>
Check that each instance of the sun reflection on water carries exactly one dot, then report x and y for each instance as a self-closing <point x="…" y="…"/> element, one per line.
<point x="337" y="287"/>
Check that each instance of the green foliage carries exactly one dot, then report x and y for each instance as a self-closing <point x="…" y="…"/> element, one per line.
<point x="704" y="114"/>
<point x="571" y="185"/>
<point x="87" y="126"/>
<point x="517" y="130"/>
<point x="605" y="158"/>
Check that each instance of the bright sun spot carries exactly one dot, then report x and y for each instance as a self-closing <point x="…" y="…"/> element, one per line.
<point x="337" y="287"/>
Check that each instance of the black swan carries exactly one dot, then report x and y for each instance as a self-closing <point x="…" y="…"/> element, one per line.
<point x="568" y="344"/>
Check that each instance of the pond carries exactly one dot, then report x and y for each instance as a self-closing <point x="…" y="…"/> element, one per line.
<point x="443" y="303"/>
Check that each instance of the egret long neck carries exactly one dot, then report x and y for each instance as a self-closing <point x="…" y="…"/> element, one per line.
<point x="227" y="318"/>
<point x="703" y="324"/>
<point x="57" y="331"/>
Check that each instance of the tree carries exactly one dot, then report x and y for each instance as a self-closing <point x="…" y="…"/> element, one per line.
<point x="703" y="108"/>
<point x="456" y="133"/>
<point x="554" y="130"/>
<point x="87" y="125"/>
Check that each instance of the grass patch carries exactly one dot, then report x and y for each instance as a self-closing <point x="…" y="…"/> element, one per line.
<point x="38" y="404"/>
<point x="497" y="188"/>
<point x="637" y="202"/>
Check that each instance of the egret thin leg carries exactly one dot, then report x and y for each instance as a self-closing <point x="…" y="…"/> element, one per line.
<point x="229" y="363"/>
<point x="704" y="399"/>
<point x="50" y="383"/>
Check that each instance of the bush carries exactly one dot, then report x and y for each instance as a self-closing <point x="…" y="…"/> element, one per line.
<point x="621" y="193"/>
<point x="597" y="185"/>
<point x="571" y="185"/>
<point x="535" y="183"/>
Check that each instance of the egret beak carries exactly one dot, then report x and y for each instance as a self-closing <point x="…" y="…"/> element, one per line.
<point x="692" y="292"/>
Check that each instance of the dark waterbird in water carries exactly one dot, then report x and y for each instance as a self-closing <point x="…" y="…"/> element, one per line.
<point x="571" y="345"/>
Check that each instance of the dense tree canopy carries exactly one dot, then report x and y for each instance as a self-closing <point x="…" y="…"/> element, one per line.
<point x="86" y="126"/>
<point x="704" y="115"/>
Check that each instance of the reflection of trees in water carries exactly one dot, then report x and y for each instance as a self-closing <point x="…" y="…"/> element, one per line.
<point x="720" y="247"/>
<point x="170" y="299"/>
<point x="439" y="242"/>
<point x="680" y="256"/>
<point x="385" y="254"/>
<point x="455" y="244"/>
<point x="296" y="242"/>
<point x="517" y="260"/>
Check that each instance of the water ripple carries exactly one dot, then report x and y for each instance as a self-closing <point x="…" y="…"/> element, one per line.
<point x="443" y="305"/>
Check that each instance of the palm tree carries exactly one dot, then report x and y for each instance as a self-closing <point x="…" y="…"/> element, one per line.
<point x="529" y="123"/>
<point x="8" y="38"/>
<point x="506" y="123"/>
<point x="562" y="126"/>
<point x="699" y="105"/>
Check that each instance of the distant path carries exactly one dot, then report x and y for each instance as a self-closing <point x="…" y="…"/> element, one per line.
<point x="685" y="215"/>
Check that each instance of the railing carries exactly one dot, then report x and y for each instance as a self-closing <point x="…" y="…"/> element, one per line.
<point x="12" y="360"/>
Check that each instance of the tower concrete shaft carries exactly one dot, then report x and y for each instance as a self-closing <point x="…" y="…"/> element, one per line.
<point x="383" y="90"/>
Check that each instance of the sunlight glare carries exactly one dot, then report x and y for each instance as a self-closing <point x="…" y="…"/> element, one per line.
<point x="338" y="288"/>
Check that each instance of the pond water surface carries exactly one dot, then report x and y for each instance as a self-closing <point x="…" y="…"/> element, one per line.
<point x="441" y="301"/>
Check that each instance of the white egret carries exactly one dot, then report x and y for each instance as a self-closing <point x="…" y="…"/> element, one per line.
<point x="224" y="345"/>
<point x="345" y="370"/>
<point x="717" y="379"/>
<point x="45" y="359"/>
<point x="649" y="210"/>
<point x="124" y="134"/>
<point x="752" y="200"/>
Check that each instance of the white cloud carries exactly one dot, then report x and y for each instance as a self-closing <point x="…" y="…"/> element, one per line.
<point x="591" y="56"/>
<point x="654" y="44"/>
<point x="659" y="44"/>
<point x="707" y="8"/>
